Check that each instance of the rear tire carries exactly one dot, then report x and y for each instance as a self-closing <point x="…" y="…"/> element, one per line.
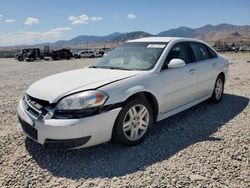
<point x="133" y="122"/>
<point x="218" y="90"/>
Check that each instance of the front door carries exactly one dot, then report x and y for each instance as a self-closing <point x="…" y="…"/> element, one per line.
<point x="178" y="85"/>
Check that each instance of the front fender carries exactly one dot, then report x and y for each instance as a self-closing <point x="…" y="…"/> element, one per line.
<point x="135" y="89"/>
<point x="122" y="90"/>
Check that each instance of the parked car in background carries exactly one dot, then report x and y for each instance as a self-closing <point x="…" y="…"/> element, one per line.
<point x="244" y="48"/>
<point x="60" y="54"/>
<point x="141" y="82"/>
<point x="75" y="54"/>
<point x="97" y="53"/>
<point x="87" y="53"/>
<point x="101" y="52"/>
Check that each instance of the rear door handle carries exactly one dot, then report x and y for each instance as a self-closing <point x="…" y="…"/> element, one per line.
<point x="191" y="71"/>
<point x="214" y="64"/>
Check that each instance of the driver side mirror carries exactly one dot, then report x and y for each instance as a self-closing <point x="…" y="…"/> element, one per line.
<point x="176" y="63"/>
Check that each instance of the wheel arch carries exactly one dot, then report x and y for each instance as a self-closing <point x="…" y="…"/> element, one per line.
<point x="222" y="74"/>
<point x="149" y="97"/>
<point x="139" y="94"/>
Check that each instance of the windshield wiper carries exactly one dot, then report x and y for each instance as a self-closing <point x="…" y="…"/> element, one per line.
<point x="113" y="68"/>
<point x="93" y="67"/>
<point x="119" y="68"/>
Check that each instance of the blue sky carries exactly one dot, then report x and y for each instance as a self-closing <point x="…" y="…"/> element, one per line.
<point x="33" y="21"/>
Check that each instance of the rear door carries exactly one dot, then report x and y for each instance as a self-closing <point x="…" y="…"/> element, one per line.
<point x="179" y="85"/>
<point x="206" y="62"/>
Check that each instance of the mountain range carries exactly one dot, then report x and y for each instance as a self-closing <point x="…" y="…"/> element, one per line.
<point x="209" y="33"/>
<point x="108" y="40"/>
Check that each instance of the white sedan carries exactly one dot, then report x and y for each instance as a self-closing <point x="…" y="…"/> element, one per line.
<point x="141" y="82"/>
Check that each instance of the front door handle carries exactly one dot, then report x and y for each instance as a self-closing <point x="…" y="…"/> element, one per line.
<point x="191" y="71"/>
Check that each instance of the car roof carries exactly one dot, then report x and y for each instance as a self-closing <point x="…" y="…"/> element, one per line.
<point x="163" y="39"/>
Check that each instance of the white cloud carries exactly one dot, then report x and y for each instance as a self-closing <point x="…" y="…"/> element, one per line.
<point x="10" y="21"/>
<point x="61" y="29"/>
<point x="96" y="18"/>
<point x="72" y="18"/>
<point x="24" y="37"/>
<point x="1" y="16"/>
<point x="31" y="21"/>
<point x="131" y="16"/>
<point x="76" y="20"/>
<point x="83" y="19"/>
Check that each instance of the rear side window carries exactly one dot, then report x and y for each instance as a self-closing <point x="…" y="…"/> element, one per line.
<point x="211" y="52"/>
<point x="200" y="51"/>
<point x="179" y="51"/>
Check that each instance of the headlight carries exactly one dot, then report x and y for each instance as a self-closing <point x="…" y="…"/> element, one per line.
<point x="83" y="100"/>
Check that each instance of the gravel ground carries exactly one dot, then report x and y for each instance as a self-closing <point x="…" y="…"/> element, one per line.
<point x="205" y="146"/>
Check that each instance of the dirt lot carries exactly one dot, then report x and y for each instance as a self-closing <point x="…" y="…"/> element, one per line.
<point x="205" y="146"/>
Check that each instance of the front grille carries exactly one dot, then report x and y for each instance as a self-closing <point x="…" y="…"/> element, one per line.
<point x="35" y="107"/>
<point x="38" y="102"/>
<point x="28" y="129"/>
<point x="33" y="102"/>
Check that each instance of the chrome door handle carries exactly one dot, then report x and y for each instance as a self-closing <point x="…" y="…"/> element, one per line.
<point x="191" y="71"/>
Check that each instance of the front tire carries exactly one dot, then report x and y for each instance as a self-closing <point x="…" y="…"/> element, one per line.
<point x="20" y="58"/>
<point x="133" y="122"/>
<point x="218" y="90"/>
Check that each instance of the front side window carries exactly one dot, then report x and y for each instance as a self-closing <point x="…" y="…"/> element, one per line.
<point x="133" y="56"/>
<point x="200" y="51"/>
<point x="179" y="51"/>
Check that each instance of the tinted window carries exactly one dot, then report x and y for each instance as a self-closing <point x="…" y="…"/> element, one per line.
<point x="211" y="53"/>
<point x="179" y="51"/>
<point x="200" y="51"/>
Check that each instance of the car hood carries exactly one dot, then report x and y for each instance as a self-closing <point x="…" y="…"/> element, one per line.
<point x="54" y="87"/>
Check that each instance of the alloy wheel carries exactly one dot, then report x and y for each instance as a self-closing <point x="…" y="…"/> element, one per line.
<point x="218" y="89"/>
<point x="136" y="122"/>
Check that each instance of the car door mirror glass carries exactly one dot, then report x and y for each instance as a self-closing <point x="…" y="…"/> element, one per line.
<point x="175" y="63"/>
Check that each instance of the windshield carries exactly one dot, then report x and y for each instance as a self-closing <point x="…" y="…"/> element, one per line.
<point x="133" y="56"/>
